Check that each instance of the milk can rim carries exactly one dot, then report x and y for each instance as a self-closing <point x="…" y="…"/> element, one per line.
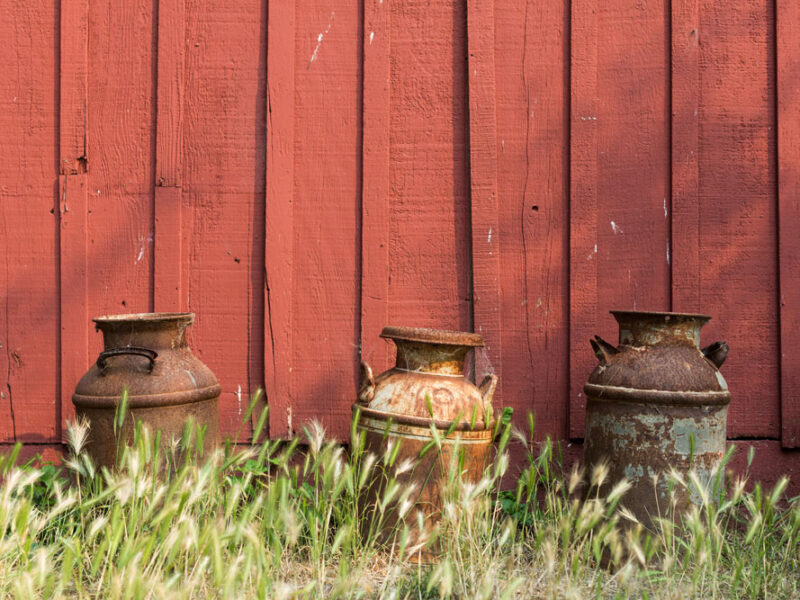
<point x="651" y="313"/>
<point x="145" y="317"/>
<point x="432" y="336"/>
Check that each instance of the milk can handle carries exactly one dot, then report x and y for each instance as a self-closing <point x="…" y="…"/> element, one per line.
<point x="716" y="353"/>
<point x="146" y="352"/>
<point x="487" y="387"/>
<point x="366" y="386"/>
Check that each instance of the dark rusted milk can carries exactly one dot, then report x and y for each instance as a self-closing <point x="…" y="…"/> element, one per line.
<point x="655" y="402"/>
<point x="394" y="410"/>
<point x="148" y="355"/>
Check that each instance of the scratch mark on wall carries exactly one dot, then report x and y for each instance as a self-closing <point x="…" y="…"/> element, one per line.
<point x="489" y="238"/>
<point x="141" y="249"/>
<point x="320" y="37"/>
<point x="616" y="228"/>
<point x="371" y="37"/>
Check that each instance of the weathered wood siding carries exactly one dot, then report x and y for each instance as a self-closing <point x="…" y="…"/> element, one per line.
<point x="300" y="173"/>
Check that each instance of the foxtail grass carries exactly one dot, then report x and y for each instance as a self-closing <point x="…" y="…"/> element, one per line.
<point x="286" y="519"/>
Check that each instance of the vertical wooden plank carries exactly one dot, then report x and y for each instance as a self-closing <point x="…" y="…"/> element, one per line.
<point x="8" y="430"/>
<point x="29" y="303"/>
<point x="429" y="234"/>
<point x="738" y="197"/>
<point x="788" y="90"/>
<point x="486" y="293"/>
<point x="169" y="92"/>
<point x="415" y="241"/>
<point x="74" y="289"/>
<point x="327" y="212"/>
<point x="375" y="216"/>
<point x="620" y="254"/>
<point x="168" y="259"/>
<point x="72" y="193"/>
<point x="532" y="99"/>
<point x="535" y="143"/>
<point x="685" y="205"/>
<point x="583" y="202"/>
<point x="224" y="163"/>
<point x="279" y="235"/>
<point x="74" y="86"/>
<point x="122" y="113"/>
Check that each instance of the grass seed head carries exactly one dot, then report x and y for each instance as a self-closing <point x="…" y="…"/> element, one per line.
<point x="618" y="491"/>
<point x="599" y="475"/>
<point x="77" y="435"/>
<point x="315" y="433"/>
<point x="406" y="465"/>
<point x="575" y="479"/>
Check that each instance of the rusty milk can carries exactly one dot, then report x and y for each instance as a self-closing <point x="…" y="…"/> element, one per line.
<point x="148" y="355"/>
<point x="654" y="402"/>
<point x="393" y="409"/>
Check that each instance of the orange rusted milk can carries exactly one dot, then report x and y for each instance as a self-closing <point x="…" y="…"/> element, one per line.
<point x="427" y="388"/>
<point x="148" y="355"/>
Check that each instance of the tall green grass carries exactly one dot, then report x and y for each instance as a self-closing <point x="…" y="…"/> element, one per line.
<point x="283" y="520"/>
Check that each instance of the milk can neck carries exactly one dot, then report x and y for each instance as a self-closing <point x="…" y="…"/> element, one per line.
<point x="424" y="357"/>
<point x="151" y="330"/>
<point x="659" y="328"/>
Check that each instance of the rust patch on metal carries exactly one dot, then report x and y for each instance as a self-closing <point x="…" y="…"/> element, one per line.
<point x="656" y="402"/>
<point x="146" y="354"/>
<point x="640" y="328"/>
<point x="425" y="389"/>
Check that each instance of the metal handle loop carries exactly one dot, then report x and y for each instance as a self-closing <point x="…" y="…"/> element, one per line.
<point x="487" y="387"/>
<point x="366" y="387"/>
<point x="146" y="352"/>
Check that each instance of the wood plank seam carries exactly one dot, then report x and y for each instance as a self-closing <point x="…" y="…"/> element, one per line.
<point x="788" y="154"/>
<point x="72" y="201"/>
<point x="543" y="214"/>
<point x="685" y="100"/>
<point x="486" y="293"/>
<point x="279" y="217"/>
<point x="375" y="216"/>
<point x="583" y="200"/>
<point x="168" y="256"/>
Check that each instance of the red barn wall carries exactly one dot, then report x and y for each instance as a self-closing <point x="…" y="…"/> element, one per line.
<point x="301" y="173"/>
